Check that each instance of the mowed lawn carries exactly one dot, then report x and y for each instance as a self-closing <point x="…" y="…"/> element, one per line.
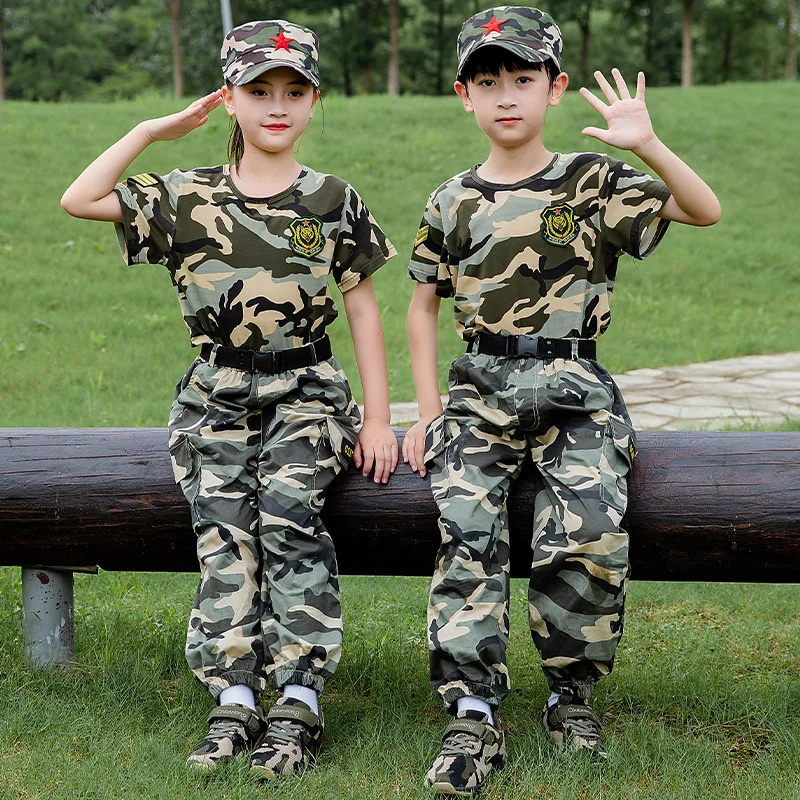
<point x="86" y="341"/>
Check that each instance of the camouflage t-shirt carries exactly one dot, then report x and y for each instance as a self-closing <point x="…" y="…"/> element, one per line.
<point x="251" y="272"/>
<point x="537" y="257"/>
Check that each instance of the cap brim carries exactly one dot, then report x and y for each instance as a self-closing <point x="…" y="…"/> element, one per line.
<point x="525" y="53"/>
<point x="252" y="72"/>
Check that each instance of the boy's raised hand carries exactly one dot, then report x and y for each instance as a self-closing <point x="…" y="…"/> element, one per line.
<point x="629" y="125"/>
<point x="173" y="126"/>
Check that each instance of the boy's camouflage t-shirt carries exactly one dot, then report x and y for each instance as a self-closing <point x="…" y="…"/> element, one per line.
<point x="251" y="272"/>
<point x="538" y="257"/>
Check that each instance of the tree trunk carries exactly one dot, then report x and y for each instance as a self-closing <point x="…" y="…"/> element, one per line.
<point x="727" y="47"/>
<point x="368" y="84"/>
<point x="686" y="70"/>
<point x="2" y="55"/>
<point x="393" y="80"/>
<point x="174" y="9"/>
<point x="584" y="20"/>
<point x="791" y="42"/>
<point x="440" y="45"/>
<point x="343" y="41"/>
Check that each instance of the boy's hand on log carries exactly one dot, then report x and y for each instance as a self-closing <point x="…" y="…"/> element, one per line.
<point x="376" y="446"/>
<point x="414" y="445"/>
<point x="629" y="126"/>
<point x="174" y="126"/>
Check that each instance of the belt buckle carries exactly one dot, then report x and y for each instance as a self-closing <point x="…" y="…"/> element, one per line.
<point x="264" y="361"/>
<point x="526" y="346"/>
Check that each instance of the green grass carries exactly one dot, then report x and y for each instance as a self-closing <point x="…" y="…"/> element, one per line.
<point x="704" y="700"/>
<point x="87" y="341"/>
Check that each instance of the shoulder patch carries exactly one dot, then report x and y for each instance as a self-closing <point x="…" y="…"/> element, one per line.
<point x="306" y="238"/>
<point x="144" y="179"/>
<point x="558" y="225"/>
<point x="421" y="236"/>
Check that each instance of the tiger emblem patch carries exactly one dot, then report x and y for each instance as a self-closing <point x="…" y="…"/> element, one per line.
<point x="307" y="238"/>
<point x="558" y="225"/>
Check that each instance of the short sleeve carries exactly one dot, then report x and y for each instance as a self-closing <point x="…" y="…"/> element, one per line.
<point x="361" y="246"/>
<point x="149" y="209"/>
<point x="630" y="203"/>
<point x="429" y="259"/>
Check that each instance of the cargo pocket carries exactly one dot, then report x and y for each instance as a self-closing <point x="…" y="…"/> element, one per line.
<point x="341" y="439"/>
<point x="619" y="451"/>
<point x="186" y="469"/>
<point x="435" y="439"/>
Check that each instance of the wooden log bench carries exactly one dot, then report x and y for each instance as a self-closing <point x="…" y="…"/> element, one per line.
<point x="704" y="506"/>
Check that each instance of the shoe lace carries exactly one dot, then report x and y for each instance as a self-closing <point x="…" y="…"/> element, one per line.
<point x="585" y="727"/>
<point x="461" y="744"/>
<point x="224" y="728"/>
<point x="285" y="731"/>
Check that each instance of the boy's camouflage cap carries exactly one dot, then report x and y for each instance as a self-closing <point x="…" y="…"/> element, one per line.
<point x="527" y="32"/>
<point x="253" y="48"/>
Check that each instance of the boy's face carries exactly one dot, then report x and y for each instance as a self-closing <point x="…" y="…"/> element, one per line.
<point x="510" y="107"/>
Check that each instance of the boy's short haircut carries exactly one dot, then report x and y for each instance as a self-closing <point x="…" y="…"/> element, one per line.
<point x="494" y="60"/>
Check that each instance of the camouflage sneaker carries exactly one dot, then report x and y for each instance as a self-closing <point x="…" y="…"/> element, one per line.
<point x="293" y="736"/>
<point x="574" y="727"/>
<point x="471" y="748"/>
<point x="232" y="730"/>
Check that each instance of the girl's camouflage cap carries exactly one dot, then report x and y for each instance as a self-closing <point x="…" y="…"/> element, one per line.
<point x="253" y="48"/>
<point x="527" y="32"/>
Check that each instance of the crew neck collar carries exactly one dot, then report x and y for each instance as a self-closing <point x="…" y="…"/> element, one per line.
<point x="536" y="176"/>
<point x="227" y="172"/>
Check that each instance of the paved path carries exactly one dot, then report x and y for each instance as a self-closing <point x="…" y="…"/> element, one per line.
<point x="709" y="396"/>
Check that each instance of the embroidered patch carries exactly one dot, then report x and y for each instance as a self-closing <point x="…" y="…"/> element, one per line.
<point x="558" y="225"/>
<point x="144" y="179"/>
<point x="307" y="238"/>
<point x="347" y="449"/>
<point x="632" y="451"/>
<point x="422" y="235"/>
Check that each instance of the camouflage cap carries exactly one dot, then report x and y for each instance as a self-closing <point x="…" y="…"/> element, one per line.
<point x="527" y="32"/>
<point x="253" y="48"/>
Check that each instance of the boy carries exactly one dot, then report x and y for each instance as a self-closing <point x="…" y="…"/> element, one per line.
<point x="527" y="243"/>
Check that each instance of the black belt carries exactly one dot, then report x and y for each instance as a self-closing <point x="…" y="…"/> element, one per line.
<point x="272" y="361"/>
<point x="536" y="346"/>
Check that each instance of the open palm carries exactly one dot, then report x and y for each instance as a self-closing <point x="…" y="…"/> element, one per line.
<point x="629" y="125"/>
<point x="165" y="129"/>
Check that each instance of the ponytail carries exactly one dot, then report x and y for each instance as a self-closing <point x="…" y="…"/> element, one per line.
<point x="235" y="143"/>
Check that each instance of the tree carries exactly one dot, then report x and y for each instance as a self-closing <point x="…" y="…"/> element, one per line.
<point x="686" y="61"/>
<point x="579" y="11"/>
<point x="174" y="9"/>
<point x="2" y="53"/>
<point x="792" y="23"/>
<point x="393" y="80"/>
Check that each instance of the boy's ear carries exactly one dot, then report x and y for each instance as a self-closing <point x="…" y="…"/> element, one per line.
<point x="559" y="87"/>
<point x="227" y="96"/>
<point x="461" y="91"/>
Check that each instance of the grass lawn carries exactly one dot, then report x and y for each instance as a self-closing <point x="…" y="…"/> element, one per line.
<point x="86" y="341"/>
<point x="704" y="700"/>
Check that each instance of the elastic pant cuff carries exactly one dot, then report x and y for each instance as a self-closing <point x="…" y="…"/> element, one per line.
<point x="288" y="675"/>
<point x="236" y="678"/>
<point x="451" y="694"/>
<point x="583" y="690"/>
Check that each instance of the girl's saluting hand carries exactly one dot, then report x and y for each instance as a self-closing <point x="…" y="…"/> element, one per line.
<point x="173" y="126"/>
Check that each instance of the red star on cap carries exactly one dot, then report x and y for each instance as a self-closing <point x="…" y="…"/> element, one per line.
<point x="281" y="41"/>
<point x="493" y="26"/>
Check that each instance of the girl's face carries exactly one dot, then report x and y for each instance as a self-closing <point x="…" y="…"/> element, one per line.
<point x="273" y="111"/>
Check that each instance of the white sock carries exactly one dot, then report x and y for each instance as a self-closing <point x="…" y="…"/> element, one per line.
<point x="474" y="704"/>
<point x="242" y="695"/>
<point x="304" y="693"/>
<point x="553" y="699"/>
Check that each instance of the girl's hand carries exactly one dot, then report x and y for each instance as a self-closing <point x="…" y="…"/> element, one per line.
<point x="376" y="445"/>
<point x="165" y="129"/>
<point x="414" y="445"/>
<point x="629" y="126"/>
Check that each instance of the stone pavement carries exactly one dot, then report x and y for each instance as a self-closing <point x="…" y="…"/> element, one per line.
<point x="708" y="396"/>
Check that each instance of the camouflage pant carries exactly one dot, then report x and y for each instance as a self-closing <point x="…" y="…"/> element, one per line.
<point x="571" y="418"/>
<point x="254" y="454"/>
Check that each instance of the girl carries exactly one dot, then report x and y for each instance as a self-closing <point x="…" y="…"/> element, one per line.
<point x="264" y="419"/>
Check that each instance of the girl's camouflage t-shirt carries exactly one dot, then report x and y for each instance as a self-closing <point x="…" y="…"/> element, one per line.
<point x="251" y="272"/>
<point x="538" y="257"/>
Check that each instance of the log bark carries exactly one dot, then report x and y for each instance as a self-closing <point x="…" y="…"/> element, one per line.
<point x="703" y="506"/>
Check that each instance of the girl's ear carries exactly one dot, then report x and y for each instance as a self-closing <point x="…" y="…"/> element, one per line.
<point x="227" y="96"/>
<point x="314" y="102"/>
